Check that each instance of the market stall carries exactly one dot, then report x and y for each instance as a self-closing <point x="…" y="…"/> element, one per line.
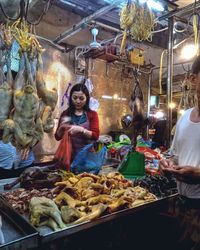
<point x="132" y="82"/>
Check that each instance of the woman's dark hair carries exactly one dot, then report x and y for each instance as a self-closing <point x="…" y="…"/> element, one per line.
<point x="78" y="87"/>
<point x="196" y="66"/>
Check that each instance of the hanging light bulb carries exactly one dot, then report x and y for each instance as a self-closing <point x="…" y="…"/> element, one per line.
<point x="94" y="43"/>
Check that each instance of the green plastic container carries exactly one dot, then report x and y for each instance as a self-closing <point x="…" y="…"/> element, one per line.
<point x="133" y="166"/>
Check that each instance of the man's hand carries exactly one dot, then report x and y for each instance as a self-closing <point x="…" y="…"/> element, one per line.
<point x="166" y="166"/>
<point x="187" y="174"/>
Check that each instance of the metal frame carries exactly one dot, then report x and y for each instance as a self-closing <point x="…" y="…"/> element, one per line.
<point x="169" y="77"/>
<point x="83" y="23"/>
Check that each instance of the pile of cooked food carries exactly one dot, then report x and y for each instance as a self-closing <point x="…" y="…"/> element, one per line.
<point x="77" y="199"/>
<point x="26" y="104"/>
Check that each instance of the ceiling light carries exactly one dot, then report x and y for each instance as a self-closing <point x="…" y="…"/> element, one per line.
<point x="152" y="4"/>
<point x="155" y="5"/>
<point x="172" y="105"/>
<point x="189" y="51"/>
<point x="115" y="96"/>
<point x="159" y="115"/>
<point x="107" y="97"/>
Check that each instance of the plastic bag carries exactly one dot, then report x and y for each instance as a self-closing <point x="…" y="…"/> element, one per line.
<point x="133" y="165"/>
<point x="89" y="160"/>
<point x="64" y="151"/>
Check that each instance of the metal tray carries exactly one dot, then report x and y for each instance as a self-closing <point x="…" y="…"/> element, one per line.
<point x="17" y="232"/>
<point x="47" y="235"/>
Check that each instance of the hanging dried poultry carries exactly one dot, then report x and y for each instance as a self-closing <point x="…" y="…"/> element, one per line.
<point x="6" y="83"/>
<point x="26" y="110"/>
<point x="5" y="99"/>
<point x="49" y="97"/>
<point x="26" y="125"/>
<point x="136" y="103"/>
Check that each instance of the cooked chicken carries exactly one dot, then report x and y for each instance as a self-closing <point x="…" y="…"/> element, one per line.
<point x="84" y="182"/>
<point x="65" y="199"/>
<point x="117" y="205"/>
<point x="96" y="212"/>
<point x="70" y="214"/>
<point x="45" y="211"/>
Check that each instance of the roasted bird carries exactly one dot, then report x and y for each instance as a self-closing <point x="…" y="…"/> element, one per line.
<point x="36" y="177"/>
<point x="6" y="83"/>
<point x="70" y="214"/>
<point x="25" y="125"/>
<point x="49" y="97"/>
<point x="136" y="104"/>
<point x="96" y="212"/>
<point x="45" y="212"/>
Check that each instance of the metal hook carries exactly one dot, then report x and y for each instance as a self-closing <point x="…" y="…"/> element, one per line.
<point x="107" y="70"/>
<point x="92" y="66"/>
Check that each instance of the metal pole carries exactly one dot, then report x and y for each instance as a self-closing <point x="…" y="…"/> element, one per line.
<point x="169" y="79"/>
<point x="56" y="46"/>
<point x="106" y="26"/>
<point x="83" y="23"/>
<point x="149" y="99"/>
<point x="183" y="11"/>
<point x="149" y="93"/>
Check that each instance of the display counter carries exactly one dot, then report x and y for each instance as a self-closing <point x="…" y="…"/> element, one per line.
<point x="44" y="236"/>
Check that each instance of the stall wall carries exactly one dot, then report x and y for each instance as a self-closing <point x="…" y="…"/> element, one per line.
<point x="108" y="80"/>
<point x="113" y="88"/>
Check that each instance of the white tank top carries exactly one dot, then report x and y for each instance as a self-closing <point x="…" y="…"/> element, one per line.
<point x="186" y="145"/>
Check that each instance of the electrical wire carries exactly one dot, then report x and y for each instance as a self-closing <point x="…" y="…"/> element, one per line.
<point x="8" y="17"/>
<point x="161" y="30"/>
<point x="23" y="12"/>
<point x="46" y="8"/>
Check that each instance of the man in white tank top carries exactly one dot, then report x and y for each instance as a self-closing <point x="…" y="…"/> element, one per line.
<point x="186" y="146"/>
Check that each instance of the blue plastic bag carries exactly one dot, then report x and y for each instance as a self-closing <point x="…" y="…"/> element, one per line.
<point x="87" y="160"/>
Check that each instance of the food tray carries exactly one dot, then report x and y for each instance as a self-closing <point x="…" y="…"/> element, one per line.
<point x="47" y="235"/>
<point x="17" y="232"/>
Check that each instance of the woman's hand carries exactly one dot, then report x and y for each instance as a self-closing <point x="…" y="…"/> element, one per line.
<point x="64" y="126"/>
<point x="61" y="129"/>
<point x="74" y="129"/>
<point x="187" y="174"/>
